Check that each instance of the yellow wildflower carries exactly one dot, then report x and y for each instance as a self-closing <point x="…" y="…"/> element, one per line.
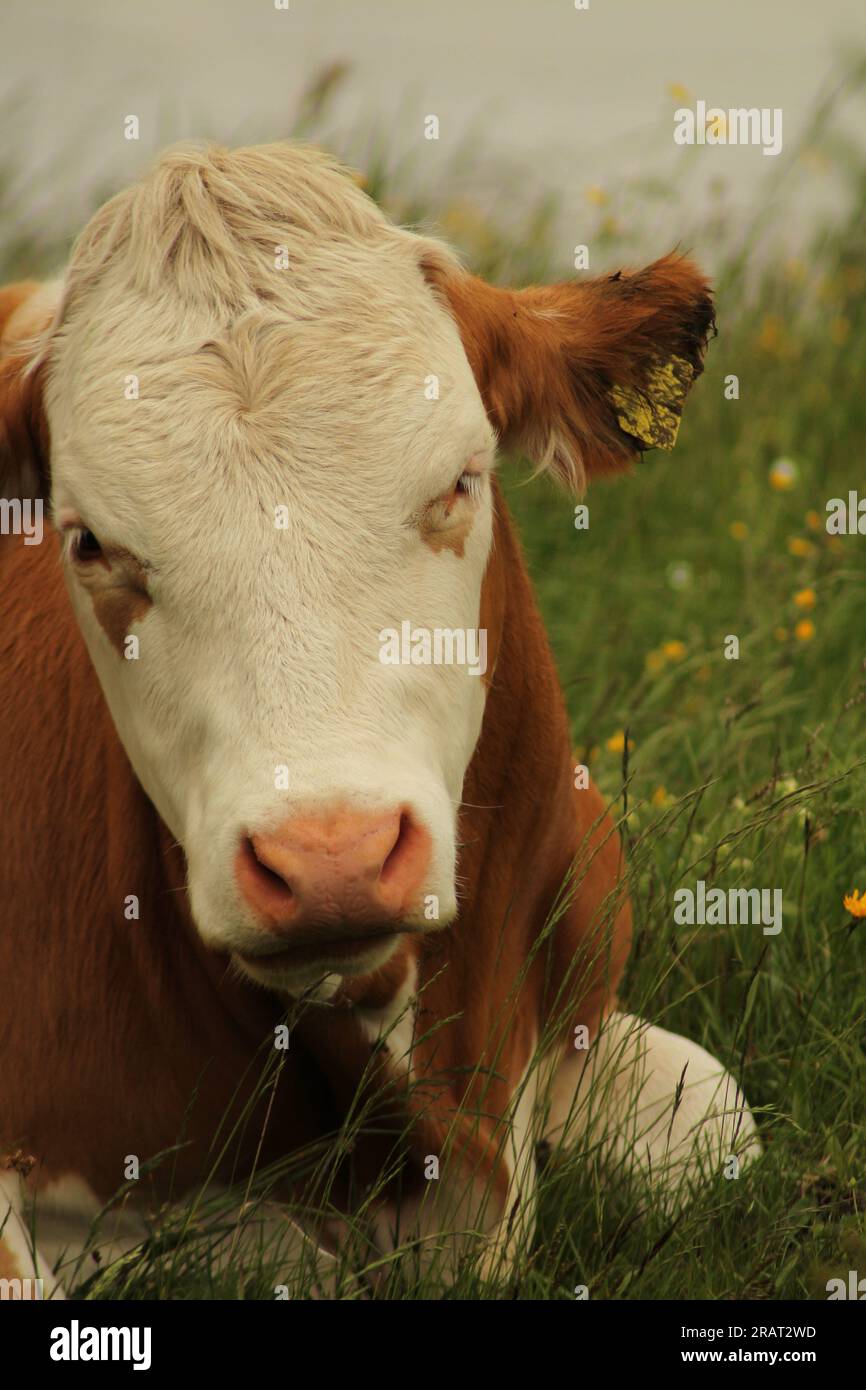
<point x="800" y="547"/>
<point x="813" y="521"/>
<point x="805" y="598"/>
<point x="616" y="742"/>
<point x="805" y="630"/>
<point x="855" y="903"/>
<point x="674" y="651"/>
<point x="739" y="530"/>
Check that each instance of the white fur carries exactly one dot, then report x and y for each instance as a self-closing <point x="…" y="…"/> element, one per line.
<point x="654" y="1102"/>
<point x="262" y="387"/>
<point x="395" y="1023"/>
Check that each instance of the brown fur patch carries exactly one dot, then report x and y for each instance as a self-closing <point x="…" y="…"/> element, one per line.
<point x="116" y="611"/>
<point x="12" y="300"/>
<point x="24" y="441"/>
<point x="453" y="538"/>
<point x="492" y="607"/>
<point x="438" y="529"/>
<point x="117" y="585"/>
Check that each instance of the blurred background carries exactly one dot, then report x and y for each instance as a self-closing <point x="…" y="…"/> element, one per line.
<point x="556" y="129"/>
<point x="539" y="104"/>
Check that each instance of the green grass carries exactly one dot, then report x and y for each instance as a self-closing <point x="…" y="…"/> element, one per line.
<point x="745" y="772"/>
<point x="762" y="765"/>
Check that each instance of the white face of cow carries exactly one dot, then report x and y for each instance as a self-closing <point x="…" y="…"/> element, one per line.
<point x="261" y="495"/>
<point x="270" y="461"/>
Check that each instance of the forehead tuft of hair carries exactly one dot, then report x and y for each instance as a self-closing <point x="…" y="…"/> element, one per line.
<point x="209" y="223"/>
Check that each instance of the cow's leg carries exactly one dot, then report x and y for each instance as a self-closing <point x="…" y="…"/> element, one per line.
<point x="264" y="1237"/>
<point x="653" y="1103"/>
<point x="515" y="1225"/>
<point x="495" y="1224"/>
<point x="76" y="1241"/>
<point x="479" y="1203"/>
<point x="21" y="1259"/>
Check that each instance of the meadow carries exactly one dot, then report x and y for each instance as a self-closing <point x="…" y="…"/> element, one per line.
<point x="746" y="772"/>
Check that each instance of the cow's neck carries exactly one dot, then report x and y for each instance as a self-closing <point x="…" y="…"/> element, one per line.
<point x="516" y="823"/>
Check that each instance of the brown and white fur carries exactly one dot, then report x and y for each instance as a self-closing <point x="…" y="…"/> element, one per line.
<point x="283" y="336"/>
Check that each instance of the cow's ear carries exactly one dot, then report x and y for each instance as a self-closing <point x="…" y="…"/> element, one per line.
<point x="23" y="428"/>
<point x="24" y="448"/>
<point x="582" y="377"/>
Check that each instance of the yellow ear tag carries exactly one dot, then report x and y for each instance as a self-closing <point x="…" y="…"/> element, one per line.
<point x="652" y="416"/>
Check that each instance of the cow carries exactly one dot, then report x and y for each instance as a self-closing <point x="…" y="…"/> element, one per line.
<point x="259" y="820"/>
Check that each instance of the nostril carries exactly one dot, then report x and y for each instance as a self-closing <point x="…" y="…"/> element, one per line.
<point x="406" y="858"/>
<point x="260" y="875"/>
<point x="271" y="876"/>
<point x="391" y="865"/>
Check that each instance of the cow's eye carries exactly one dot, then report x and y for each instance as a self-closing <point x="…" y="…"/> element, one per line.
<point x="85" y="547"/>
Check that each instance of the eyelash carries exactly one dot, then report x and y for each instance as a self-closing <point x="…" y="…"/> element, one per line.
<point x="470" y="485"/>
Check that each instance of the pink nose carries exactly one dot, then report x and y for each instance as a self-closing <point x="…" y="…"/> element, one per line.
<point x="348" y="867"/>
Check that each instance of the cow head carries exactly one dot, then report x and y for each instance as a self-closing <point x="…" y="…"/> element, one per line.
<point x="272" y="419"/>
